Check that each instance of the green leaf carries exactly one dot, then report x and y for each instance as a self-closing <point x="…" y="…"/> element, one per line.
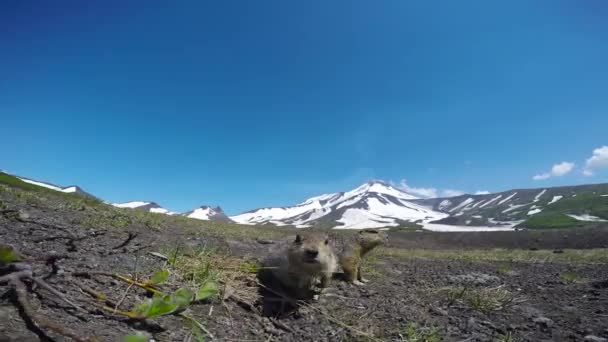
<point x="8" y="255"/>
<point x="158" y="306"/>
<point x="207" y="290"/>
<point x="159" y="277"/>
<point x="135" y="338"/>
<point x="182" y="298"/>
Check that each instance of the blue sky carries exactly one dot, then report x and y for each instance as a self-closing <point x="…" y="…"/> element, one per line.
<point x="262" y="103"/>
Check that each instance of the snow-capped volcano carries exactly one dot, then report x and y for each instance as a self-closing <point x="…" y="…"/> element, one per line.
<point x="146" y="206"/>
<point x="373" y="204"/>
<point x="208" y="213"/>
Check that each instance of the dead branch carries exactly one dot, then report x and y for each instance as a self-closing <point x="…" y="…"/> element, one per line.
<point x="39" y="321"/>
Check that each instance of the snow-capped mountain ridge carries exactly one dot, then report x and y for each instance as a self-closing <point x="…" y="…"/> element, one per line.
<point x="152" y="207"/>
<point x="373" y="204"/>
<point x="208" y="213"/>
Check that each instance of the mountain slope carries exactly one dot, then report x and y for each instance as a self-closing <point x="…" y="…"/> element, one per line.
<point x="72" y="189"/>
<point x="152" y="207"/>
<point x="529" y="207"/>
<point x="374" y="204"/>
<point x="208" y="213"/>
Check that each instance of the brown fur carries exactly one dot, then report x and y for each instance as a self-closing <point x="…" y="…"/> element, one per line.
<point x="351" y="257"/>
<point x="308" y="261"/>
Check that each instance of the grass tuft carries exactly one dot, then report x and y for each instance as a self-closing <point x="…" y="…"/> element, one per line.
<point x="416" y="333"/>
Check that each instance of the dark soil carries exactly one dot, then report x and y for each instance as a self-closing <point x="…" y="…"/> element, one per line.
<point x="545" y="301"/>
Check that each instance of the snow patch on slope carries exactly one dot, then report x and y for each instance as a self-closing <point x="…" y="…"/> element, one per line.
<point x="132" y="205"/>
<point x="451" y="228"/>
<point x="555" y="199"/>
<point x="490" y="201"/>
<point x="508" y="198"/>
<point x="463" y="204"/>
<point x="587" y="217"/>
<point x="537" y="198"/>
<point x="202" y="213"/>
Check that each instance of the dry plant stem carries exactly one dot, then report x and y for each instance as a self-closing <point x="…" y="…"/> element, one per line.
<point x="93" y="293"/>
<point x="119" y="277"/>
<point x="41" y="322"/>
<point x="123" y="298"/>
<point x="200" y="326"/>
<point x="117" y="312"/>
<point x="48" y="287"/>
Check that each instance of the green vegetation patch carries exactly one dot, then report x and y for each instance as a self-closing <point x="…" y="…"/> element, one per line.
<point x="551" y="221"/>
<point x="574" y="256"/>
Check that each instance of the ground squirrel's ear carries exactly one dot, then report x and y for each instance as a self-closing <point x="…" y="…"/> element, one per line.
<point x="298" y="238"/>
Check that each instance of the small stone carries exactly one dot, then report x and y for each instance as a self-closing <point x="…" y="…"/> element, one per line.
<point x="592" y="338"/>
<point x="23" y="215"/>
<point x="438" y="311"/>
<point x="543" y="322"/>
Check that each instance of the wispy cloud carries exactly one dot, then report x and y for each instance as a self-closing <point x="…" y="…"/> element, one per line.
<point x="482" y="192"/>
<point x="599" y="160"/>
<point x="427" y="192"/>
<point x="451" y="193"/>
<point x="557" y="170"/>
<point x="420" y="192"/>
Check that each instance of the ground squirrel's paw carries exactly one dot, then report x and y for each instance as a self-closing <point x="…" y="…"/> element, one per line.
<point x="358" y="283"/>
<point x="363" y="280"/>
<point x="315" y="298"/>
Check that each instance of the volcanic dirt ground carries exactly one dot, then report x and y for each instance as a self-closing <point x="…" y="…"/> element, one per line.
<point x="510" y="286"/>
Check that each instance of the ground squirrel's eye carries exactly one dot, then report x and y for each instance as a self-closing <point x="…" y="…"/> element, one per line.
<point x="327" y="241"/>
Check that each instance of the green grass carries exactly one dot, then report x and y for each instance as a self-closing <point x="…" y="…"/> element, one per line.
<point x="34" y="194"/>
<point x="574" y="256"/>
<point x="95" y="214"/>
<point x="554" y="216"/>
<point x="18" y="183"/>
<point x="407" y="227"/>
<point x="551" y="221"/>
<point x="416" y="333"/>
<point x="570" y="278"/>
<point x="504" y="270"/>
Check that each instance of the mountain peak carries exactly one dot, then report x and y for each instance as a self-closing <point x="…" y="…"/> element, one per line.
<point x="208" y="213"/>
<point x="375" y="203"/>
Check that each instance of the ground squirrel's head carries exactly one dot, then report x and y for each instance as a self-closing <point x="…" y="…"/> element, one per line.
<point x="370" y="238"/>
<point x="310" y="250"/>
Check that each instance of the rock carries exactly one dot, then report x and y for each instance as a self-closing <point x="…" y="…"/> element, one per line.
<point x="543" y="322"/>
<point x="592" y="338"/>
<point x="438" y="311"/>
<point x="23" y="215"/>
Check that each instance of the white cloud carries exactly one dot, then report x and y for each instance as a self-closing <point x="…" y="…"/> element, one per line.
<point x="428" y="192"/>
<point x="420" y="192"/>
<point x="562" y="168"/>
<point x="542" y="176"/>
<point x="482" y="192"/>
<point x="599" y="160"/>
<point x="451" y="193"/>
<point x="557" y="170"/>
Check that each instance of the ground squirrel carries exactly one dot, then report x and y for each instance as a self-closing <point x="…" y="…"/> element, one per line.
<point x="350" y="258"/>
<point x="308" y="262"/>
